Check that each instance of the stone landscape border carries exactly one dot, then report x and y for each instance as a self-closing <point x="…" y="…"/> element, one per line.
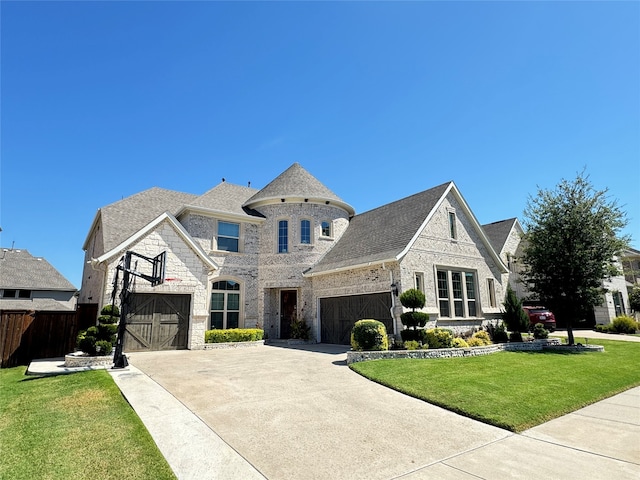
<point x="535" y="346"/>
<point x="227" y="345"/>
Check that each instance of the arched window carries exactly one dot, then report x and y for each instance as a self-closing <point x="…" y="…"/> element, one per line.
<point x="225" y="304"/>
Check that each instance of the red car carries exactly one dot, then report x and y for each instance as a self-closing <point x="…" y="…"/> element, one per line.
<point x="541" y="315"/>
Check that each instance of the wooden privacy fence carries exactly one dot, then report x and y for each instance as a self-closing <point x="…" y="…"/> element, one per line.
<point x="26" y="335"/>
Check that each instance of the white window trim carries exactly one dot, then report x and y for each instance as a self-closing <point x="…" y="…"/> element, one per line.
<point x="465" y="298"/>
<point x="452" y="226"/>
<point x="311" y="235"/>
<point x="241" y="300"/>
<point x="240" y="237"/>
<point x="322" y="235"/>
<point x="418" y="281"/>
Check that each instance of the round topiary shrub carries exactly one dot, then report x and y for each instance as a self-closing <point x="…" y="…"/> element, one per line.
<point x="369" y="334"/>
<point x="87" y="343"/>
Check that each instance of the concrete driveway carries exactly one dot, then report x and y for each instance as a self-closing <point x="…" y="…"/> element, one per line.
<point x="301" y="413"/>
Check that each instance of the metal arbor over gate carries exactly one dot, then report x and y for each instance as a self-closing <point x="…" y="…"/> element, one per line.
<point x="158" y="265"/>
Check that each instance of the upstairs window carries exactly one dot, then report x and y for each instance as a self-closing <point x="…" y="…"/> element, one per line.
<point x="283" y="236"/>
<point x="24" y="294"/>
<point x="419" y="277"/>
<point x="326" y="228"/>
<point x="305" y="232"/>
<point x="9" y="293"/>
<point x="452" y="226"/>
<point x="228" y="236"/>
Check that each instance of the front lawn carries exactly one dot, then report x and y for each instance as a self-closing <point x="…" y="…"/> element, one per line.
<point x="513" y="390"/>
<point x="74" y="426"/>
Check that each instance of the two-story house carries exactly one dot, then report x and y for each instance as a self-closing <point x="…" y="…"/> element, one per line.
<point x="243" y="257"/>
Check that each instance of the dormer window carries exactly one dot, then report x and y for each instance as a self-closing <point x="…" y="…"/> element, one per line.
<point x="326" y="228"/>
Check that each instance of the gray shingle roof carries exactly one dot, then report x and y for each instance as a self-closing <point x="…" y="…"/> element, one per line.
<point x="125" y="217"/>
<point x="382" y="233"/>
<point x="498" y="233"/>
<point x="20" y="270"/>
<point x="228" y="198"/>
<point x="39" y="304"/>
<point x="296" y="182"/>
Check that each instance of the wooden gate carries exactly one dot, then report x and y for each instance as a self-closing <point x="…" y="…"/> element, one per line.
<point x="157" y="322"/>
<point x="339" y="314"/>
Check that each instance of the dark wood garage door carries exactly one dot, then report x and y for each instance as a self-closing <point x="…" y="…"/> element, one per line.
<point x="339" y="314"/>
<point x="157" y="322"/>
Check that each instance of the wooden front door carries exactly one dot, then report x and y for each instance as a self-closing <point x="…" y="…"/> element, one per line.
<point x="288" y="311"/>
<point x="157" y="322"/>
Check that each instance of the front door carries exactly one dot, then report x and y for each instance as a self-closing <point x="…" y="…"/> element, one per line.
<point x="288" y="311"/>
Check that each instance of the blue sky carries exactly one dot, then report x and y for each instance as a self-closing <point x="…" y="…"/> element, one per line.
<point x="378" y="100"/>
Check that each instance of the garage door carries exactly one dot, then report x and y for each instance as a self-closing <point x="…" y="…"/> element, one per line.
<point x="339" y="314"/>
<point x="157" y="322"/>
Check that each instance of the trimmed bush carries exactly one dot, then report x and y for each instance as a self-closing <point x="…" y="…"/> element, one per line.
<point x="475" y="342"/>
<point x="412" y="298"/>
<point x="437" y="338"/>
<point x="409" y="335"/>
<point x="498" y="333"/>
<point x="300" y="330"/>
<point x="460" y="343"/>
<point x="515" y="337"/>
<point x="414" y="319"/>
<point x="411" y="345"/>
<point x="369" y="335"/>
<point x="103" y="347"/>
<point x="539" y="332"/>
<point x="483" y="337"/>
<point x="602" y="328"/>
<point x="233" y="335"/>
<point x="624" y="324"/>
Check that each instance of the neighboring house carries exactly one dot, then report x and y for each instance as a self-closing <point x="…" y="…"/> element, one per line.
<point x="630" y="260"/>
<point x="242" y="257"/>
<point x="32" y="283"/>
<point x="506" y="236"/>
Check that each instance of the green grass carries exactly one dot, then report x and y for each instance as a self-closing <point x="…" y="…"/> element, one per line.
<point x="513" y="390"/>
<point x="72" y="427"/>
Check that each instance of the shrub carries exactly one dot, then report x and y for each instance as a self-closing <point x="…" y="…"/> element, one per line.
<point x="475" y="342"/>
<point x="110" y="310"/>
<point x="460" y="343"/>
<point x="498" y="333"/>
<point x="412" y="298"/>
<point x="233" y="335"/>
<point x="437" y="338"/>
<point x="300" y="330"/>
<point x="414" y="319"/>
<point x="103" y="347"/>
<point x="411" y="345"/>
<point x="409" y="334"/>
<point x="540" y="332"/>
<point x="515" y="318"/>
<point x="604" y="328"/>
<point x="87" y="343"/>
<point x="369" y="335"/>
<point x="515" y="337"/>
<point x="483" y="337"/>
<point x="624" y="324"/>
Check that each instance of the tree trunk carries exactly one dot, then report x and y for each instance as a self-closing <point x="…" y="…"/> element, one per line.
<point x="570" y="339"/>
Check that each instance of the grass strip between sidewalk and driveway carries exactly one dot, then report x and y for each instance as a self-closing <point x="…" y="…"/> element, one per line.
<point x="70" y="427"/>
<point x="513" y="390"/>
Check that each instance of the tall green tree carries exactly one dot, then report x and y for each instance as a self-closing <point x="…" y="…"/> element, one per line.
<point x="573" y="234"/>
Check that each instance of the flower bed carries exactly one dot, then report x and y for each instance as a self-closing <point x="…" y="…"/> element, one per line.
<point x="79" y="359"/>
<point x="537" y="345"/>
<point x="228" y="345"/>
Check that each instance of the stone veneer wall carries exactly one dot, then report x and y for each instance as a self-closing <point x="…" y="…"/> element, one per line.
<point x="277" y="271"/>
<point x="182" y="263"/>
<point x="535" y="346"/>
